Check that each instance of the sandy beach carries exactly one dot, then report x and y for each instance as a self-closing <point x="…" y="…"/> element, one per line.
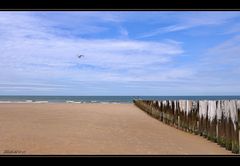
<point x="104" y="129"/>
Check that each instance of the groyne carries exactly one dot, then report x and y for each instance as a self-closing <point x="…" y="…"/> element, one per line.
<point x="215" y="120"/>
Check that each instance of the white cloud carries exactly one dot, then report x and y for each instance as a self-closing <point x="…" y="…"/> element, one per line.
<point x="189" y="20"/>
<point x="225" y="52"/>
<point x="38" y="55"/>
<point x="31" y="52"/>
<point x="123" y="32"/>
<point x="217" y="70"/>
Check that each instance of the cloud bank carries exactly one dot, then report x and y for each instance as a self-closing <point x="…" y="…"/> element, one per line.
<point x="39" y="54"/>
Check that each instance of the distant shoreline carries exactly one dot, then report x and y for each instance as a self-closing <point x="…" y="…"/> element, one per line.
<point x="103" y="99"/>
<point x="66" y="102"/>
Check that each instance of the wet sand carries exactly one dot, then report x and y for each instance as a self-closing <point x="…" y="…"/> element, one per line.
<point x="104" y="129"/>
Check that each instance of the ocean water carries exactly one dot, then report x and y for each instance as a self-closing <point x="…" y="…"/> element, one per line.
<point x="103" y="99"/>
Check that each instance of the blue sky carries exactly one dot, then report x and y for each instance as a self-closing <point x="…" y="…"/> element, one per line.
<point x="126" y="53"/>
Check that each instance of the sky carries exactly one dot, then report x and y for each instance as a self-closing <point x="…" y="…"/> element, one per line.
<point x="125" y="53"/>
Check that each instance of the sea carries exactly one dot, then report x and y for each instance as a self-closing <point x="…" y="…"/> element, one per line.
<point x="103" y="99"/>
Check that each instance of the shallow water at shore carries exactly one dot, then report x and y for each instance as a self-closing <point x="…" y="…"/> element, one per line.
<point x="102" y="99"/>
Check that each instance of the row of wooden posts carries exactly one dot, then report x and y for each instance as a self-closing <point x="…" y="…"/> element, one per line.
<point x="217" y="121"/>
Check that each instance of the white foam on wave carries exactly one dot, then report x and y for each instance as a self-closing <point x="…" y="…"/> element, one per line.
<point x="115" y="103"/>
<point x="24" y="102"/>
<point x="5" y="101"/>
<point x="41" y="102"/>
<point x="91" y="102"/>
<point x="70" y="101"/>
<point x="112" y="102"/>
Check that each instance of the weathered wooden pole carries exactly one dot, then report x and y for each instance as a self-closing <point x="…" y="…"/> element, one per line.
<point x="190" y="119"/>
<point x="223" y="123"/>
<point x="153" y="109"/>
<point x="227" y="121"/>
<point x="150" y="107"/>
<point x="188" y="115"/>
<point x="155" y="112"/>
<point x="160" y="109"/>
<point x="200" y="116"/>
<point x="212" y="116"/>
<point x="185" y="115"/>
<point x="181" y="113"/>
<point x="164" y="103"/>
<point x="188" y="109"/>
<point x="219" y="127"/>
<point x="178" y="115"/>
<point x="172" y="113"/>
<point x="175" y="114"/>
<point x="195" y="117"/>
<point x="216" y="120"/>
<point x="234" y="126"/>
<point x="149" y="110"/>
<point x="185" y="124"/>
<point x="167" y="112"/>
<point x="203" y="106"/>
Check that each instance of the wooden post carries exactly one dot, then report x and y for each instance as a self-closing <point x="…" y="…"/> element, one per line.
<point x="196" y="117"/>
<point x="157" y="112"/>
<point x="188" y="108"/>
<point x="160" y="107"/>
<point x="227" y="120"/>
<point x="154" y="113"/>
<point x="209" y="125"/>
<point x="223" y="125"/>
<point x="216" y="120"/>
<point x="228" y="134"/>
<point x="205" y="120"/>
<point x="234" y="126"/>
<point x="193" y="117"/>
<point x="200" y="116"/>
<point x="212" y="108"/>
<point x="167" y="113"/>
<point x="178" y="115"/>
<point x="171" y="114"/>
<point x="220" y="123"/>
<point x="203" y="106"/>
<point x="185" y="116"/>
<point x="181" y="114"/>
<point x="164" y="111"/>
<point x="175" y="113"/>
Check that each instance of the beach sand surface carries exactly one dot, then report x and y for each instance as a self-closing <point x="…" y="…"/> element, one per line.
<point x="93" y="129"/>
